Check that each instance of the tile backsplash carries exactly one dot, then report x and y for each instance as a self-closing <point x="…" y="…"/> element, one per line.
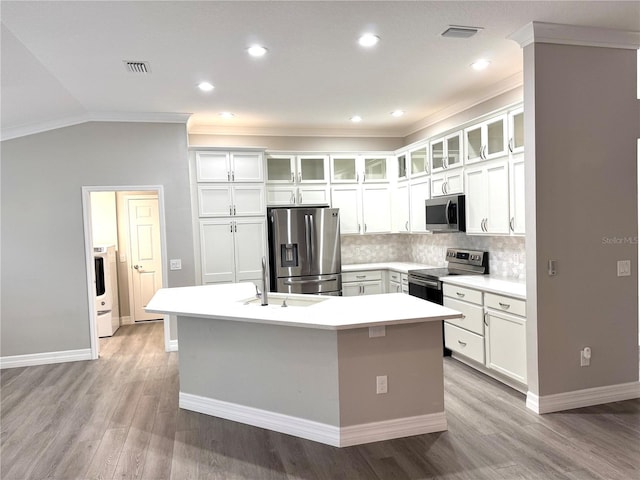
<point x="506" y="254"/>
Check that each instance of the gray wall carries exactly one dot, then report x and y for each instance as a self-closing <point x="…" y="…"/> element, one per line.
<point x="44" y="288"/>
<point x="582" y="124"/>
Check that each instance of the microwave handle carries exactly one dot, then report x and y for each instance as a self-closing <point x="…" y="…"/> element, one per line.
<point x="446" y="211"/>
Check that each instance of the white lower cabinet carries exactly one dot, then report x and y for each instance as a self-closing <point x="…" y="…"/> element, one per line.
<point x="492" y="332"/>
<point x="397" y="282"/>
<point x="231" y="249"/>
<point x="361" y="283"/>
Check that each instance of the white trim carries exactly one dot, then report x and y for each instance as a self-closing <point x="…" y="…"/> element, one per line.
<point x="88" y="245"/>
<point x="126" y="320"/>
<point x="173" y="346"/>
<point x="541" y="32"/>
<point x="582" y="398"/>
<point x="396" y="428"/>
<point x="10" y="133"/>
<point x="316" y="431"/>
<point x="45" y="358"/>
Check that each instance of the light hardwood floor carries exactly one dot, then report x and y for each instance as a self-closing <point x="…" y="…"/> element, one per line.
<point x="118" y="417"/>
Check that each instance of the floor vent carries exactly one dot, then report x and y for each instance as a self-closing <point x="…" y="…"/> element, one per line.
<point x="456" y="31"/>
<point x="137" y="67"/>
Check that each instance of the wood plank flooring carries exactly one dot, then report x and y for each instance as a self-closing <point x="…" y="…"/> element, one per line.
<point x="118" y="417"/>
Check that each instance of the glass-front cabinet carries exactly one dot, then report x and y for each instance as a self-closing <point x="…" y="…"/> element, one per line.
<point x="516" y="131"/>
<point x="486" y="140"/>
<point x="297" y="168"/>
<point x="358" y="168"/>
<point x="419" y="161"/>
<point x="446" y="152"/>
<point x="401" y="162"/>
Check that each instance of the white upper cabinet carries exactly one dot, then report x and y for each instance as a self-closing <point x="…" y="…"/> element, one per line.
<point x="348" y="199"/>
<point x="363" y="208"/>
<point x="447" y="183"/>
<point x="231" y="200"/>
<point x="516" y="195"/>
<point x="402" y="172"/>
<point x="419" y="192"/>
<point x="419" y="161"/>
<point x="446" y="152"/>
<point x="400" y="210"/>
<point x="297" y="169"/>
<point x="349" y="168"/>
<point x="487" y="198"/>
<point x="486" y="140"/>
<point x="212" y="166"/>
<point x="516" y="131"/>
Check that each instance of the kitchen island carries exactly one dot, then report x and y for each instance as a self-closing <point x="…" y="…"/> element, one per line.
<point x="312" y="368"/>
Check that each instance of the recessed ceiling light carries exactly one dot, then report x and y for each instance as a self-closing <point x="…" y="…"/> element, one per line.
<point x="205" y="86"/>
<point x="356" y="118"/>
<point x="257" y="50"/>
<point x="480" y="64"/>
<point x="226" y="115"/>
<point x="397" y="113"/>
<point x="368" y="40"/>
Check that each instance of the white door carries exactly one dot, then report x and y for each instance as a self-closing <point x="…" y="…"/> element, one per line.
<point x="476" y="199"/>
<point x="376" y="209"/>
<point x="455" y="182"/>
<point x="401" y="208"/>
<point x="419" y="193"/>
<point x="247" y="167"/>
<point x="506" y="345"/>
<point x="517" y="197"/>
<point x="438" y="185"/>
<point x="213" y="167"/>
<point x="250" y="245"/>
<point x="248" y="200"/>
<point x="215" y="200"/>
<point x="217" y="252"/>
<point x="313" y="195"/>
<point x="347" y="199"/>
<point x="497" y="198"/>
<point x="146" y="254"/>
<point x="281" y="195"/>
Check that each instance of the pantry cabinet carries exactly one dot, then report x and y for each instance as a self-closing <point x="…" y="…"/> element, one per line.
<point x="486" y="140"/>
<point x="219" y="166"/>
<point x="487" y="198"/>
<point x="231" y="250"/>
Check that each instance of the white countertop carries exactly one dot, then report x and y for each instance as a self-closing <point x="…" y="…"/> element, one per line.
<point x="226" y="302"/>
<point x="509" y="287"/>
<point x="402" y="267"/>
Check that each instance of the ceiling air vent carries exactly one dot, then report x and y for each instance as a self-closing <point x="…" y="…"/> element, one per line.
<point x="137" y="67"/>
<point x="456" y="31"/>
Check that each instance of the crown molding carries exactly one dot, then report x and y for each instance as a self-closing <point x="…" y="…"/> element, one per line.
<point x="541" y="32"/>
<point x="212" y="129"/>
<point x="9" y="133"/>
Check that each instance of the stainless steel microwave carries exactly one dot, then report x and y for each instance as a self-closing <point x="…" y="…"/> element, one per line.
<point x="445" y="214"/>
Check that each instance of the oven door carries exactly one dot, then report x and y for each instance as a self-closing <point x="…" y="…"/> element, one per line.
<point x="426" y="289"/>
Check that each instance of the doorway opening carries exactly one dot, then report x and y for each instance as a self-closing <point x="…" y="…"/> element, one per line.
<point x="126" y="224"/>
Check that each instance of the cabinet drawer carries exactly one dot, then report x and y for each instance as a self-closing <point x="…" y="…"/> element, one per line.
<point x="462" y="293"/>
<point x="506" y="304"/>
<point x="464" y="342"/>
<point x="404" y="279"/>
<point x="361" y="276"/>
<point x="473" y="315"/>
<point x="394" y="276"/>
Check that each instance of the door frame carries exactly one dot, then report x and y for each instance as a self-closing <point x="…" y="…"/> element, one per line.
<point x="88" y="248"/>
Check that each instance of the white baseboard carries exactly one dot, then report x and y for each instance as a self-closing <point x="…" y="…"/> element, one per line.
<point x="316" y="431"/>
<point x="126" y="320"/>
<point x="173" y="346"/>
<point x="45" y="358"/>
<point x="582" y="398"/>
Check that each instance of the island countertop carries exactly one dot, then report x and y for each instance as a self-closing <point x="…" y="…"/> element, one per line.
<point x="228" y="302"/>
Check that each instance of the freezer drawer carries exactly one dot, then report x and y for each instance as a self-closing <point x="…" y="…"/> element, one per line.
<point x="314" y="284"/>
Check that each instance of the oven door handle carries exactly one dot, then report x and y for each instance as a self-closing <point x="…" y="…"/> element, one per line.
<point x="435" y="284"/>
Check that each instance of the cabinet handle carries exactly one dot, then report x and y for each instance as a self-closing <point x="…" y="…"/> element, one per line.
<point x="230" y="210"/>
<point x="462" y="344"/>
<point x="510" y="145"/>
<point x="361" y="289"/>
<point x="445" y="162"/>
<point x="228" y="176"/>
<point x="358" y="228"/>
<point x="504" y="305"/>
<point x="364" y="177"/>
<point x="461" y="295"/>
<point x="446" y="187"/>
<point x="361" y="276"/>
<point x="482" y="154"/>
<point x="365" y="228"/>
<point x="234" y="209"/>
<point x="485" y="320"/>
<point x="293" y="177"/>
<point x="233" y="176"/>
<point x="300" y="198"/>
<point x="463" y="316"/>
<point x="293" y="198"/>
<point x="231" y="227"/>
<point x="235" y="226"/>
<point x="511" y="224"/>
<point x="442" y="188"/>
<point x="406" y="225"/>
<point x="299" y="177"/>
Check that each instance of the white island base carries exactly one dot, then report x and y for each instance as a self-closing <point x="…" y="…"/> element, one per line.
<point x="311" y="371"/>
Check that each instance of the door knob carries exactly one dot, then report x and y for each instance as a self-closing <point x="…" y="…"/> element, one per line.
<point x="138" y="267"/>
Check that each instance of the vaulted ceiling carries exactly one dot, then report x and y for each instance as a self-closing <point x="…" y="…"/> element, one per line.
<point x="62" y="62"/>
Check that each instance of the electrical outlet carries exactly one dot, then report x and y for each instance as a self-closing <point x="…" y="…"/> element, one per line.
<point x="585" y="357"/>
<point x="624" y="268"/>
<point x="381" y="384"/>
<point x="175" y="264"/>
<point x="377" y="331"/>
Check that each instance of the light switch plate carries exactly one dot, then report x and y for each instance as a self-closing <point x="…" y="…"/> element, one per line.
<point x="175" y="264"/>
<point x="624" y="268"/>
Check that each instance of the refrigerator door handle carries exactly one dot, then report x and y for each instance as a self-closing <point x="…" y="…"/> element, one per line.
<point x="315" y="280"/>
<point x="307" y="237"/>
<point x="312" y="240"/>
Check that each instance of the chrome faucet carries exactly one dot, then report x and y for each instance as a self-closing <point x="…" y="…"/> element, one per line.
<point x="265" y="282"/>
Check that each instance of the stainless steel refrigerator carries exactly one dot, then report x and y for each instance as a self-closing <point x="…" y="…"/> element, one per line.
<point x="304" y="250"/>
